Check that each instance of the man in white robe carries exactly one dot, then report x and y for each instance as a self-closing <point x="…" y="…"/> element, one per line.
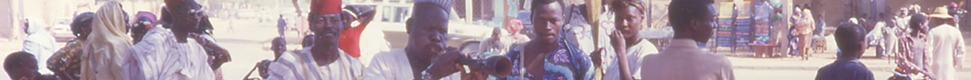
<point x="39" y="42"/>
<point x="164" y="55"/>
<point x="300" y="65"/>
<point x="323" y="60"/>
<point x="426" y="32"/>
<point x="946" y="46"/>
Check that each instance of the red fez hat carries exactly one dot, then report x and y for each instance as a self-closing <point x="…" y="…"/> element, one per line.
<point x="325" y="6"/>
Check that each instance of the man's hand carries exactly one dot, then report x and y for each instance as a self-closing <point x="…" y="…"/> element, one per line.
<point x="597" y="57"/>
<point x="443" y="65"/>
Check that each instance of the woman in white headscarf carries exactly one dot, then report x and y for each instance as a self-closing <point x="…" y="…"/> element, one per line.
<point x="39" y="42"/>
<point x="106" y="45"/>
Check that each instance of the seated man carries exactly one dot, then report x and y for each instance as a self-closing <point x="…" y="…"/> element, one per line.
<point x="323" y="60"/>
<point x="692" y="22"/>
<point x="851" y="43"/>
<point x="279" y="46"/>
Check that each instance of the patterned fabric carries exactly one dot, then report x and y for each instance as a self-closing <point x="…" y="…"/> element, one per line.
<point x="912" y="51"/>
<point x="66" y="60"/>
<point x="300" y="65"/>
<point x="562" y="64"/>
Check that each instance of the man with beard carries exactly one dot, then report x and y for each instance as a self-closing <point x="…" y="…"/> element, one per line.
<point x="427" y="31"/>
<point x="323" y="60"/>
<point x="171" y="54"/>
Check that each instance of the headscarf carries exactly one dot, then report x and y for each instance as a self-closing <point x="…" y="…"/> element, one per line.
<point x="106" y="45"/>
<point x="80" y="21"/>
<point x="35" y="25"/>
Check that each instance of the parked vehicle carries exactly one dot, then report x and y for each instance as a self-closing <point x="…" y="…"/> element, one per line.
<point x="61" y="30"/>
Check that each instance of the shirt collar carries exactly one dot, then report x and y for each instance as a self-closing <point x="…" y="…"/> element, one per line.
<point x="847" y="58"/>
<point x="684" y="43"/>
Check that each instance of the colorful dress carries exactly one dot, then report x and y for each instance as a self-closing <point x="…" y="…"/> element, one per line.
<point x="67" y="60"/>
<point x="565" y="63"/>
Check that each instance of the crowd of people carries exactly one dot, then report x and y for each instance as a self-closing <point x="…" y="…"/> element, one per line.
<point x="179" y="45"/>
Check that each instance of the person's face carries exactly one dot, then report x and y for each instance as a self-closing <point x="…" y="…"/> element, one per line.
<point x="327" y="29"/>
<point x="547" y="22"/>
<point x="28" y="70"/>
<point x="26" y="26"/>
<point x="187" y="20"/>
<point x="86" y="31"/>
<point x="138" y="32"/>
<point x="629" y="22"/>
<point x="278" y="49"/>
<point x="704" y="26"/>
<point x="427" y="31"/>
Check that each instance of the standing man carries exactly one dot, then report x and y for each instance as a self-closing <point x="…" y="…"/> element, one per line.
<point x="281" y="26"/>
<point x="172" y="55"/>
<point x="186" y="17"/>
<point x="548" y="55"/>
<point x="107" y="45"/>
<point x="427" y="31"/>
<point x="850" y="40"/>
<point x="692" y="21"/>
<point x="39" y="42"/>
<point x="323" y="60"/>
<point x="626" y="44"/>
<point x="946" y="46"/>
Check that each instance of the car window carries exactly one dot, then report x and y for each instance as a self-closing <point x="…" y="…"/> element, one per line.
<point x="395" y="14"/>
